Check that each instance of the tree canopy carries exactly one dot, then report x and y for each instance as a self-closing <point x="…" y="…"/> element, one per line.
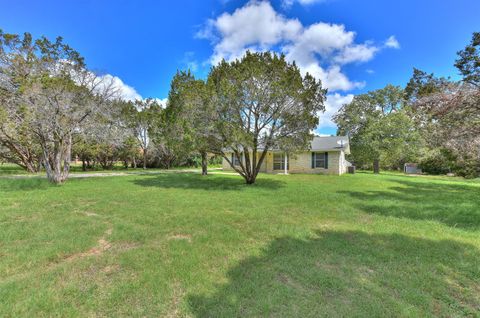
<point x="262" y="102"/>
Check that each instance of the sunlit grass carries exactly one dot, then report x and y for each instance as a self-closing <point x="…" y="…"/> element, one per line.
<point x="294" y="246"/>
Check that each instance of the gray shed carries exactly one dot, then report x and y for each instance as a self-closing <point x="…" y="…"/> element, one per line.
<point x="411" y="168"/>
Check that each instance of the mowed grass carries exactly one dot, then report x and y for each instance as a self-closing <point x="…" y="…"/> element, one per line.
<point x="183" y="245"/>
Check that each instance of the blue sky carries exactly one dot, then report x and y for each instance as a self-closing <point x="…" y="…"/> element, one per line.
<point x="353" y="46"/>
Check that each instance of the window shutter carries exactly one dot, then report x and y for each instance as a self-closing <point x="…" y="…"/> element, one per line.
<point x="326" y="160"/>
<point x="233" y="162"/>
<point x="313" y="160"/>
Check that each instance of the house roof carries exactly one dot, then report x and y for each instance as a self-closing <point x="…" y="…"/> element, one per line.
<point x="330" y="143"/>
<point x="322" y="143"/>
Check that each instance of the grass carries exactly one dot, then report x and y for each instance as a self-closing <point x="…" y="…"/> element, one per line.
<point x="180" y="244"/>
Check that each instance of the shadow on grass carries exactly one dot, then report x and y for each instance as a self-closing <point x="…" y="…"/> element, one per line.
<point x="456" y="205"/>
<point x="24" y="184"/>
<point x="349" y="274"/>
<point x="210" y="182"/>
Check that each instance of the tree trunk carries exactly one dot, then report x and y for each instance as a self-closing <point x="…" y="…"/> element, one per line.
<point x="250" y="179"/>
<point x="204" y="163"/>
<point x="84" y="165"/>
<point x="145" y="158"/>
<point x="57" y="160"/>
<point x="376" y="166"/>
<point x="134" y="162"/>
<point x="31" y="168"/>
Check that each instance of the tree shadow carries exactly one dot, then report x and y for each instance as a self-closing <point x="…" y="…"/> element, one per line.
<point x="211" y="182"/>
<point x="453" y="204"/>
<point x="351" y="273"/>
<point x="23" y="184"/>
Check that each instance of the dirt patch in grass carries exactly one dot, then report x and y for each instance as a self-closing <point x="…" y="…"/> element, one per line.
<point x="90" y="213"/>
<point x="109" y="269"/>
<point x="179" y="236"/>
<point x="178" y="294"/>
<point x="102" y="246"/>
<point x="124" y="246"/>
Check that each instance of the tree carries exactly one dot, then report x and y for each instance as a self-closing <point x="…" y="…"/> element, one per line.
<point x="189" y="115"/>
<point x="450" y="119"/>
<point x="141" y="117"/>
<point x="448" y="113"/>
<point x="422" y="84"/>
<point x="379" y="127"/>
<point x="49" y="80"/>
<point x="468" y="62"/>
<point x="16" y="138"/>
<point x="261" y="102"/>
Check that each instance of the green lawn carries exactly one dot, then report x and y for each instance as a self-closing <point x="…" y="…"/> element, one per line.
<point x="180" y="245"/>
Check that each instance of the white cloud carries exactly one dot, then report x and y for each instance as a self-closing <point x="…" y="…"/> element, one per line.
<point x="320" y="48"/>
<point x="356" y="53"/>
<point x="332" y="105"/>
<point x="162" y="102"/>
<point x="289" y="3"/>
<point x="369" y="71"/>
<point x="127" y="92"/>
<point x="124" y="91"/>
<point x="392" y="42"/>
<point x="254" y="26"/>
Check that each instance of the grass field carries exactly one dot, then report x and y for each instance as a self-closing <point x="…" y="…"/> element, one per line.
<point x="177" y="244"/>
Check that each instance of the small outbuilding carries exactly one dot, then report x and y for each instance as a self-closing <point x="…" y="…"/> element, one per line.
<point x="412" y="168"/>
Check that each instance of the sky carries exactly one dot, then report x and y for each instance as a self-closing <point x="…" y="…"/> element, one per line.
<point x="353" y="46"/>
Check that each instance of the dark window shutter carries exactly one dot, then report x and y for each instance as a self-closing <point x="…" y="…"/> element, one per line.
<point x="233" y="162"/>
<point x="326" y="160"/>
<point x="313" y="160"/>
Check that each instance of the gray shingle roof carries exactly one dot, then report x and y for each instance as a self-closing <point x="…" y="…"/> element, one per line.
<point x="321" y="143"/>
<point x="330" y="143"/>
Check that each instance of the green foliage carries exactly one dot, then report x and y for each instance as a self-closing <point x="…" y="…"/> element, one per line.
<point x="189" y="116"/>
<point x="468" y="62"/>
<point x="380" y="128"/>
<point x="262" y="101"/>
<point x="438" y="162"/>
<point x="422" y="84"/>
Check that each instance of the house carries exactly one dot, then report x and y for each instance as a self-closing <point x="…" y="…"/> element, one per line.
<point x="326" y="155"/>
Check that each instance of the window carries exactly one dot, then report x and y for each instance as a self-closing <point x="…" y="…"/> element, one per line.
<point x="279" y="161"/>
<point x="235" y="160"/>
<point x="320" y="160"/>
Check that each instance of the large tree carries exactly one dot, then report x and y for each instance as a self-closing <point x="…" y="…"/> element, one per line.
<point x="448" y="112"/>
<point x="49" y="82"/>
<point x="190" y="116"/>
<point x="379" y="128"/>
<point x="262" y="102"/>
<point x="17" y="142"/>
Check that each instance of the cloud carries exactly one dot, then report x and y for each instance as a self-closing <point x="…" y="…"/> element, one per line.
<point x="356" y="53"/>
<point x="392" y="42"/>
<point x="289" y="3"/>
<point x="124" y="91"/>
<point x="162" y="102"/>
<point x="256" y="26"/>
<point x="127" y="92"/>
<point x="321" y="49"/>
<point x="332" y="105"/>
<point x="189" y="61"/>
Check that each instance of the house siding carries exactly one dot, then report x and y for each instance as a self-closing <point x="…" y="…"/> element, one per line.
<point x="302" y="163"/>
